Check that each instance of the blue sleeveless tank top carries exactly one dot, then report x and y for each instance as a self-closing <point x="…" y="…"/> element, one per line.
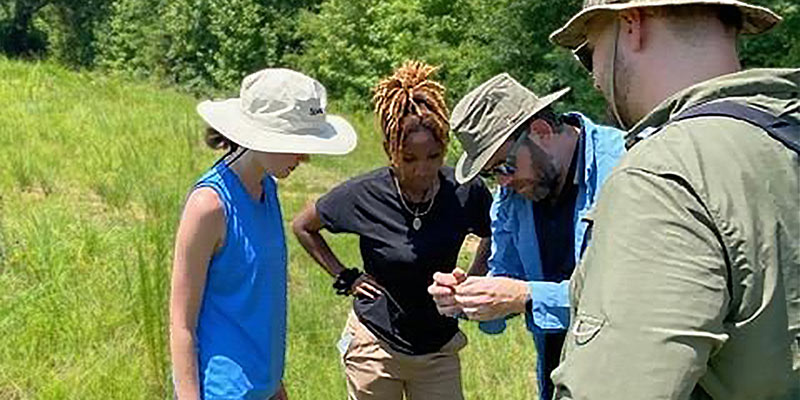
<point x="241" y="327"/>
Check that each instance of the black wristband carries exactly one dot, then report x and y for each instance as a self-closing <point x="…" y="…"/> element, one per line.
<point x="345" y="280"/>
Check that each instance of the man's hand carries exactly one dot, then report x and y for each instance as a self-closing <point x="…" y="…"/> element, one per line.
<point x="443" y="291"/>
<point x="488" y="298"/>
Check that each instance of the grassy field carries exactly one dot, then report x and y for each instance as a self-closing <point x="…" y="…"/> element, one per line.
<point x="94" y="172"/>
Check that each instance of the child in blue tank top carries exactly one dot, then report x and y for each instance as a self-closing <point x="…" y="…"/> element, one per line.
<point x="228" y="298"/>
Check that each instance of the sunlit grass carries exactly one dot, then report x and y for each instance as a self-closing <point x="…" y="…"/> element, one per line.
<point x="94" y="174"/>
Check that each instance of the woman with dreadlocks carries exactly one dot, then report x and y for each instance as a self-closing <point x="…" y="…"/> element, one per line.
<point x="411" y="218"/>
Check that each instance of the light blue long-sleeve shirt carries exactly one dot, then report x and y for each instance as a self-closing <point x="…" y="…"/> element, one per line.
<point x="515" y="247"/>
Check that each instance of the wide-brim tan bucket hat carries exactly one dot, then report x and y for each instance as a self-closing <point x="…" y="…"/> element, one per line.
<point x="755" y="19"/>
<point x="488" y="115"/>
<point x="280" y="111"/>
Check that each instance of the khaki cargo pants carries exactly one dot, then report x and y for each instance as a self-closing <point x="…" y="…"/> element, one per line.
<point x="375" y="371"/>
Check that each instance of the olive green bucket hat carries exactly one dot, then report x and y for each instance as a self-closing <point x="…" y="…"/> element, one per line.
<point x="755" y="19"/>
<point x="487" y="116"/>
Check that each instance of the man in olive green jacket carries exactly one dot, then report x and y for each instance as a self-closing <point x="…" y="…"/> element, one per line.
<point x="690" y="288"/>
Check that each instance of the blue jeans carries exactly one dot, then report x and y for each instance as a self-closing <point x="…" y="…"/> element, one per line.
<point x="548" y="355"/>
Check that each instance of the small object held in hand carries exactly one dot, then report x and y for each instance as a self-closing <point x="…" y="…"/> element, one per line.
<point x="345" y="280"/>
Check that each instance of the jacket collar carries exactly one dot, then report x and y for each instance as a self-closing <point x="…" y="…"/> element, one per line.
<point x="765" y="83"/>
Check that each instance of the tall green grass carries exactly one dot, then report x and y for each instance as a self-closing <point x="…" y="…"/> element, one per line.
<point x="94" y="173"/>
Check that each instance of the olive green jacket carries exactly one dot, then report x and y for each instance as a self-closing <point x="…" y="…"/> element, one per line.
<point x="691" y="286"/>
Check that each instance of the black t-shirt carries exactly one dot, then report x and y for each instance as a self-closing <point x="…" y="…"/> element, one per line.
<point x="402" y="259"/>
<point x="555" y="228"/>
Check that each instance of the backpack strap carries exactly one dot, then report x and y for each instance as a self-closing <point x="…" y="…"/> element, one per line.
<point x="785" y="131"/>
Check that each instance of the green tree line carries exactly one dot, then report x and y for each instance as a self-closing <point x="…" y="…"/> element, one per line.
<point x="207" y="46"/>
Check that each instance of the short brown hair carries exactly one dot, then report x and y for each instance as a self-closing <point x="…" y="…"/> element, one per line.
<point x="550" y="116"/>
<point x="547" y="115"/>
<point x="218" y="141"/>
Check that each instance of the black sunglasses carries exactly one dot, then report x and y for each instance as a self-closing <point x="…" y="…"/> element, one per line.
<point x="584" y="55"/>
<point x="509" y="165"/>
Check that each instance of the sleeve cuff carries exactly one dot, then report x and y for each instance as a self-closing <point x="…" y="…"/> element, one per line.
<point x="549" y="306"/>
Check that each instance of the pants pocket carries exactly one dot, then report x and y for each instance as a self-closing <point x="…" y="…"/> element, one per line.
<point x="343" y="345"/>
<point x="347" y="340"/>
<point x="458" y="342"/>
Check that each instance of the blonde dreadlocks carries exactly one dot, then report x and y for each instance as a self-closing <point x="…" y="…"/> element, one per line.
<point x="409" y="93"/>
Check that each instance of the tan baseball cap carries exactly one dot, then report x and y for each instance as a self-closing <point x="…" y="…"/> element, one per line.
<point x="755" y="19"/>
<point x="487" y="116"/>
<point x="280" y="111"/>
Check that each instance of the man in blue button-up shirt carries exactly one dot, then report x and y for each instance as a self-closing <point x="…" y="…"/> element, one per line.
<point x="550" y="168"/>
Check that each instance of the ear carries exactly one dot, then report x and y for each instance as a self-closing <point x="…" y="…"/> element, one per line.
<point x="541" y="128"/>
<point x="630" y="28"/>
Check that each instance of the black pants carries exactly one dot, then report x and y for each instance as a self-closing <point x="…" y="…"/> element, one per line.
<point x="548" y="349"/>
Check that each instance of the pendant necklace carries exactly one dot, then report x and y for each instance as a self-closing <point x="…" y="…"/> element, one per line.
<point x="417" y="222"/>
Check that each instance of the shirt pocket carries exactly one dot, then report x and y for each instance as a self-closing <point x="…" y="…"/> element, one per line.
<point x="586" y="328"/>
